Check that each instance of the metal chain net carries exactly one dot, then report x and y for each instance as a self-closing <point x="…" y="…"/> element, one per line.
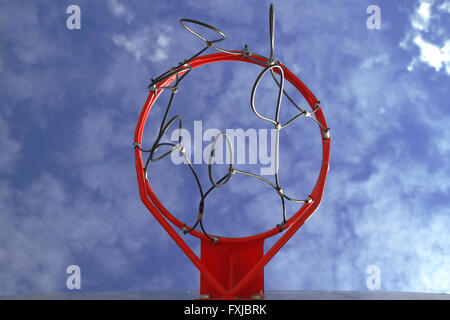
<point x="180" y="73"/>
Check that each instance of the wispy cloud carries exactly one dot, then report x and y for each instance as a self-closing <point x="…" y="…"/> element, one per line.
<point x="120" y="10"/>
<point x="142" y="45"/>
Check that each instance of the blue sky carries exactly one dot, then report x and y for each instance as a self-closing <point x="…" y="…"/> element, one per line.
<point x="70" y="100"/>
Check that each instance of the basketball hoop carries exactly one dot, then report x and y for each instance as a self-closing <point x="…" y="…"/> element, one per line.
<point x="230" y="267"/>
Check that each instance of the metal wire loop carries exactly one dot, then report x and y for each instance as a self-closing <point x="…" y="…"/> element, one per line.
<point x="211" y="153"/>
<point x="198" y="35"/>
<point x="280" y="94"/>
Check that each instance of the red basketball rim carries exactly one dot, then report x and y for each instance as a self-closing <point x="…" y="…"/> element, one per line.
<point x="153" y="204"/>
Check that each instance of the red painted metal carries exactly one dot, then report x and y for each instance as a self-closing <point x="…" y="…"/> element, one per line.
<point x="230" y="263"/>
<point x="234" y="267"/>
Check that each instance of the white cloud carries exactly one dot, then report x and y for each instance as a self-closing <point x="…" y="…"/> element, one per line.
<point x="422" y="16"/>
<point x="142" y="45"/>
<point x="119" y="10"/>
<point x="423" y="23"/>
<point x="445" y="7"/>
<point x="134" y="45"/>
<point x="433" y="55"/>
